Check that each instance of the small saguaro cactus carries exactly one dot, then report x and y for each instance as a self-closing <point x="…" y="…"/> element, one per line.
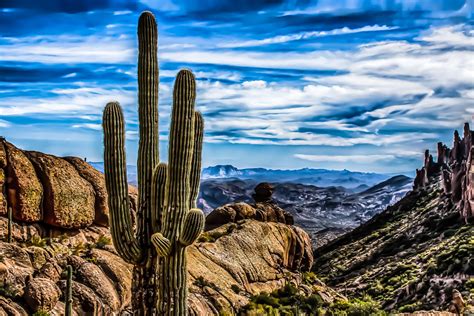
<point x="68" y="296"/>
<point x="167" y="220"/>
<point x="10" y="223"/>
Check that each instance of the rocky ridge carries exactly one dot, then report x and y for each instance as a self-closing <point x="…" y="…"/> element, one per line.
<point x="418" y="253"/>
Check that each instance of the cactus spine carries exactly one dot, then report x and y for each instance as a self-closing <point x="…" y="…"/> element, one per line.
<point x="68" y="308"/>
<point x="167" y="220"/>
<point x="10" y="223"/>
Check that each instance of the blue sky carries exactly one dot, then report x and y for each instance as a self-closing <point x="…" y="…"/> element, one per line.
<point x="365" y="85"/>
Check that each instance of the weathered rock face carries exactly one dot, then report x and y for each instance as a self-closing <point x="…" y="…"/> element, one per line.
<point x="61" y="192"/>
<point x="24" y="190"/>
<point x="42" y="294"/>
<point x="264" y="210"/>
<point x="69" y="200"/>
<point x="18" y="269"/>
<point x="251" y="256"/>
<point x="457" y="172"/>
<point x="96" y="179"/>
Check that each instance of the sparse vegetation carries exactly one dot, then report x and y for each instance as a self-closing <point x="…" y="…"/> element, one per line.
<point x="38" y="241"/>
<point x="213" y="235"/>
<point x="102" y="241"/>
<point x="290" y="301"/>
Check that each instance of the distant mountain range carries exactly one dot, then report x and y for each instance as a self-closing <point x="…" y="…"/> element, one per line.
<point x="324" y="212"/>
<point x="357" y="181"/>
<point x="319" y="177"/>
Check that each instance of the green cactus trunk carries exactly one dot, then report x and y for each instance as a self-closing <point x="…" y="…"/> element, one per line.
<point x="166" y="221"/>
<point x="148" y="155"/>
<point x="68" y="296"/>
<point x="10" y="224"/>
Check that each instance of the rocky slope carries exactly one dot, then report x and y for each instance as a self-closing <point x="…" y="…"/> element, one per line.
<point x="420" y="251"/>
<point x="60" y="216"/>
<point x="324" y="213"/>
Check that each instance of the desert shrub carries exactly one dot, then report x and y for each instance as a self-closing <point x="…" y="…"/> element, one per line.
<point x="356" y="307"/>
<point x="102" y="241"/>
<point x="284" y="301"/>
<point x="8" y="291"/>
<point x="41" y="313"/>
<point x="309" y="277"/>
<point x="409" y="308"/>
<point x="37" y="241"/>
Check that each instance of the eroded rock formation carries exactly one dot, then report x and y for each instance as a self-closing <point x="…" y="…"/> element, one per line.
<point x="61" y="192"/>
<point x="454" y="168"/>
<point x="264" y="210"/>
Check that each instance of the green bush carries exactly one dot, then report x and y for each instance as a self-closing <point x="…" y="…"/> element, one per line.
<point x="103" y="241"/>
<point x="356" y="307"/>
<point x="37" y="241"/>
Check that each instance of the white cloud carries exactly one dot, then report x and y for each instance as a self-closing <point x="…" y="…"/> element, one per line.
<point x="308" y="35"/>
<point x="4" y="124"/>
<point x="124" y="12"/>
<point x="345" y="159"/>
<point x="67" y="49"/>
<point x="96" y="127"/>
<point x="81" y="101"/>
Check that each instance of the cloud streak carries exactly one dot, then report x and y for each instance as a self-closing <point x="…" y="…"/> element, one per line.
<point x="308" y="35"/>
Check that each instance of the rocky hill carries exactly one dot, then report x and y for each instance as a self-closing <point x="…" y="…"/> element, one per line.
<point x="419" y="253"/>
<point x="323" y="212"/>
<point x="60" y="218"/>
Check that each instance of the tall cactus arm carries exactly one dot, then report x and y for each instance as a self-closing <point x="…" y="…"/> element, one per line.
<point x="181" y="143"/>
<point x="116" y="183"/>
<point x="158" y="192"/>
<point x="197" y="157"/>
<point x="148" y="155"/>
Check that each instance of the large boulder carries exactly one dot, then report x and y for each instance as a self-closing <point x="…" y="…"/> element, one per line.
<point x="9" y="307"/>
<point x="229" y="213"/>
<point x="92" y="276"/>
<point x="24" y="188"/>
<point x="85" y="301"/>
<point x="97" y="180"/>
<point x="41" y="294"/>
<point x="69" y="200"/>
<point x="252" y="256"/>
<point x="260" y="211"/>
<point x="19" y="269"/>
<point x="117" y="271"/>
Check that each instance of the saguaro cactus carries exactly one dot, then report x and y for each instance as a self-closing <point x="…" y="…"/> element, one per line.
<point x="10" y="224"/>
<point x="68" y="306"/>
<point x="167" y="221"/>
